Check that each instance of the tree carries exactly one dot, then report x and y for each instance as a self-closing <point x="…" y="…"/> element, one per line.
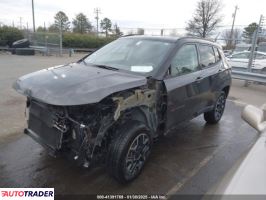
<point x="106" y="25"/>
<point x="41" y="29"/>
<point x="52" y="28"/>
<point x="206" y="18"/>
<point x="81" y="24"/>
<point x="140" y="31"/>
<point x="117" y="31"/>
<point x="61" y="21"/>
<point x="173" y="32"/>
<point x="249" y="30"/>
<point x="9" y="34"/>
<point x="231" y="41"/>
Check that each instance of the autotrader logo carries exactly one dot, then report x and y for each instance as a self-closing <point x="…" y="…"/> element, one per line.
<point x="27" y="193"/>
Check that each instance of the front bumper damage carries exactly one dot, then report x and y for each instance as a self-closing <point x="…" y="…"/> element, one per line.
<point x="43" y="126"/>
<point x="84" y="132"/>
<point x="58" y="132"/>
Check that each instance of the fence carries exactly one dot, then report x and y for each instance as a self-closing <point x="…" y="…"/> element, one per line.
<point x="251" y="74"/>
<point x="44" y="42"/>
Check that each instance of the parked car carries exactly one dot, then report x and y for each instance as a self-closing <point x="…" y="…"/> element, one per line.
<point x="242" y="47"/>
<point x="241" y="59"/>
<point x="110" y="106"/>
<point x="227" y="53"/>
<point x="262" y="47"/>
<point x="247" y="176"/>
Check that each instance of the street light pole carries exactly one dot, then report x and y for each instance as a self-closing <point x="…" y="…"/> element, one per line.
<point x="33" y="18"/>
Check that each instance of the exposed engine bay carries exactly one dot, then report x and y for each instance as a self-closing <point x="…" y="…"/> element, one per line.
<point x="83" y="132"/>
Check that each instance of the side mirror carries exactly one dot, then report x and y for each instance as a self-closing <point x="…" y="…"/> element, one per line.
<point x="255" y="117"/>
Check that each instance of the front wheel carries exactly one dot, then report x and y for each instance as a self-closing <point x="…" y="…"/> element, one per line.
<point x="214" y="116"/>
<point x="129" y="152"/>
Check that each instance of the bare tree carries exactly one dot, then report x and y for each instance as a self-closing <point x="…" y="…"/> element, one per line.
<point x="173" y="32"/>
<point x="230" y="42"/>
<point x="206" y="18"/>
<point x="117" y="31"/>
<point x="140" y="31"/>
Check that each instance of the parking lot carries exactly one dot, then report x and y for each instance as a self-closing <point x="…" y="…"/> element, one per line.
<point x="191" y="159"/>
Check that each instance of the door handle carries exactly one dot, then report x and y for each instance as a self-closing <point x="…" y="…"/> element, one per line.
<point x="199" y="78"/>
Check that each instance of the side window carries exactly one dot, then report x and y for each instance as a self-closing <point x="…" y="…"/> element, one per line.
<point x="185" y="61"/>
<point x="260" y="56"/>
<point x="241" y="55"/>
<point x="217" y="54"/>
<point x="207" y="57"/>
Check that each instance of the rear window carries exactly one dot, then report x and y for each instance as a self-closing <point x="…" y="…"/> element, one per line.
<point x="217" y="54"/>
<point x="207" y="56"/>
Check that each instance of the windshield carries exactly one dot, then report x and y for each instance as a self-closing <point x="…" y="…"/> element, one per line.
<point x="132" y="54"/>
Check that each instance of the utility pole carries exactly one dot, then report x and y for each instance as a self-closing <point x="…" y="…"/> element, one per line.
<point x="44" y="27"/>
<point x="33" y="18"/>
<point x="97" y="11"/>
<point x="20" y="23"/>
<point x="233" y="24"/>
<point x="161" y="32"/>
<point x="60" y="39"/>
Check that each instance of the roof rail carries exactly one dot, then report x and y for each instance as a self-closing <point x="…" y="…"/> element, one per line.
<point x="131" y="35"/>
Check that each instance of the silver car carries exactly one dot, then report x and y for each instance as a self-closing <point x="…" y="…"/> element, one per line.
<point x="241" y="59"/>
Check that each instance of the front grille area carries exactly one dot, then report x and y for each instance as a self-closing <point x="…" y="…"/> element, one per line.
<point x="40" y="122"/>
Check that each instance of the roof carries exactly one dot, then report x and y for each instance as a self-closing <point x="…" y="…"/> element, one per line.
<point x="158" y="38"/>
<point x="173" y="39"/>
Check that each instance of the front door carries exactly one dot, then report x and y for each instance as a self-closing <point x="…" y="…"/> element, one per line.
<point x="182" y="85"/>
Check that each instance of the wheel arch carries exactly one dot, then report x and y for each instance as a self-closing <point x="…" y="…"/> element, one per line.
<point x="226" y="89"/>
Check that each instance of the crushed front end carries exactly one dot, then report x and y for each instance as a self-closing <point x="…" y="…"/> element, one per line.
<point x="76" y="131"/>
<point x="83" y="132"/>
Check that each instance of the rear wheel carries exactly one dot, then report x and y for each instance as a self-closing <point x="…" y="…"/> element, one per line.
<point x="214" y="116"/>
<point x="129" y="152"/>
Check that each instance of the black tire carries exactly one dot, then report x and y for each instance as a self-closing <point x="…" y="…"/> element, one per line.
<point x="24" y="43"/>
<point x="214" y="116"/>
<point x="133" y="140"/>
<point x="26" y="51"/>
<point x="12" y="50"/>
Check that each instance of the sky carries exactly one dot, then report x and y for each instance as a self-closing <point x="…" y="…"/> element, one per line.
<point x="127" y="14"/>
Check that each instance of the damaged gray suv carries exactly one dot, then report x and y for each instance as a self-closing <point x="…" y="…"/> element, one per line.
<point x="109" y="106"/>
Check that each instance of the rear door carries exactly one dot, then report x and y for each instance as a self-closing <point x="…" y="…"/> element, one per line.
<point x="211" y="66"/>
<point x="182" y="86"/>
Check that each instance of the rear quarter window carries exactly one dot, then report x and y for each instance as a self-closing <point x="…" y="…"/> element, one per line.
<point x="207" y="57"/>
<point x="217" y="54"/>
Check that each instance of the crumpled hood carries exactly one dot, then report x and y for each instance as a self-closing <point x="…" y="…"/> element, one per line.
<point x="75" y="84"/>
